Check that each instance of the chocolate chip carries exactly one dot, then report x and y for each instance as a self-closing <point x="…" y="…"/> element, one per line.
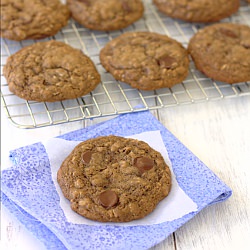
<point x="143" y="164"/>
<point x="85" y="1"/>
<point x="227" y="32"/>
<point x="246" y="46"/>
<point x="166" y="61"/>
<point x="108" y="198"/>
<point x="125" y="6"/>
<point x="86" y="157"/>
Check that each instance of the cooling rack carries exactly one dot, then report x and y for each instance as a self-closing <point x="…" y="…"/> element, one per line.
<point x="112" y="97"/>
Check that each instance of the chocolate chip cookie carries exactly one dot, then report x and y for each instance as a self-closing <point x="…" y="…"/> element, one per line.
<point x="106" y="15"/>
<point x="50" y="71"/>
<point x="222" y="52"/>
<point x="115" y="179"/>
<point x="145" y="60"/>
<point x="32" y="19"/>
<point x="198" y="10"/>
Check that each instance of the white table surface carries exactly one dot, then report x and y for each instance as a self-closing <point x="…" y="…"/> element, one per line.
<point x="218" y="132"/>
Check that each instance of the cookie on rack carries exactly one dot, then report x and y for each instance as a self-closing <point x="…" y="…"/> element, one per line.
<point x="50" y="71"/>
<point x="222" y="52"/>
<point x="32" y="19"/>
<point x="145" y="60"/>
<point x="198" y="10"/>
<point x="111" y="178"/>
<point x="106" y="15"/>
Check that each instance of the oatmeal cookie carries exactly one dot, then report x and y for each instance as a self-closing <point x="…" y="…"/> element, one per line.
<point x="50" y="71"/>
<point x="145" y="60"/>
<point x="198" y="10"/>
<point x="115" y="179"/>
<point x="222" y="52"/>
<point x="106" y="15"/>
<point x="32" y="19"/>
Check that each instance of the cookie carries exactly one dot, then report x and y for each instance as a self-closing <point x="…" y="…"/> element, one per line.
<point x="222" y="52"/>
<point x="198" y="10"/>
<point x="50" y="71"/>
<point x="115" y="179"/>
<point x="32" y="19"/>
<point x="106" y="15"/>
<point x="145" y="60"/>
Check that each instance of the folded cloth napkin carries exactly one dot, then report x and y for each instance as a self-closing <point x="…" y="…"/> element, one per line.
<point x="29" y="193"/>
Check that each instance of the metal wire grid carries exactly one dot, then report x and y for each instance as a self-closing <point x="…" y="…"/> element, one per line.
<point x="112" y="97"/>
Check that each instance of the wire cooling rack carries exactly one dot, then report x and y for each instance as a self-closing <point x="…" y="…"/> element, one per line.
<point x="112" y="97"/>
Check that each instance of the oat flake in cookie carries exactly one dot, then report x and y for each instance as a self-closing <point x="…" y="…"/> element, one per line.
<point x="198" y="10"/>
<point x="50" y="71"/>
<point x="222" y="52"/>
<point x="114" y="179"/>
<point x="32" y="19"/>
<point x="146" y="60"/>
<point x="106" y="15"/>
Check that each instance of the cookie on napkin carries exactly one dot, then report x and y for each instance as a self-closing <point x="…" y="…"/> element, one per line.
<point x="106" y="15"/>
<point x="222" y="52"/>
<point x="28" y="191"/>
<point x="198" y="10"/>
<point x="114" y="179"/>
<point x="50" y="71"/>
<point x="145" y="60"/>
<point x="32" y="19"/>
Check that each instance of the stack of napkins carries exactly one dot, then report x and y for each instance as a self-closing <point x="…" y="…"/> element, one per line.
<point x="31" y="193"/>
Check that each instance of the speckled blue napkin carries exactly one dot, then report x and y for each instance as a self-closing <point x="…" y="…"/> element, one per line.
<point x="29" y="193"/>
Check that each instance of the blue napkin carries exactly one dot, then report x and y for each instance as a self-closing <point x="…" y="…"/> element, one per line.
<point x="29" y="194"/>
